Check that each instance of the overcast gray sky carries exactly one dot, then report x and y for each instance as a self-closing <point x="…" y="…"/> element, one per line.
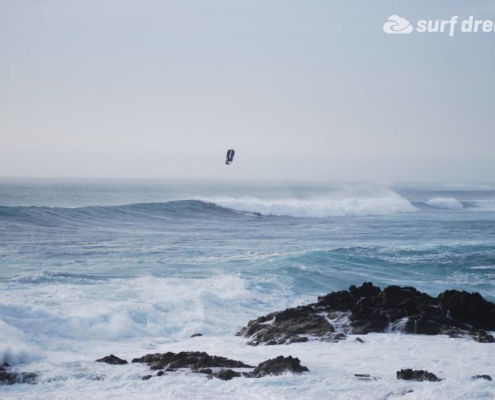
<point x="301" y="89"/>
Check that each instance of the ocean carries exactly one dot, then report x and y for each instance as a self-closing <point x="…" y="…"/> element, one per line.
<point x="131" y="267"/>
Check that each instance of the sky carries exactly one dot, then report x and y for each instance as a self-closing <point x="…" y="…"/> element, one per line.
<point x="307" y="89"/>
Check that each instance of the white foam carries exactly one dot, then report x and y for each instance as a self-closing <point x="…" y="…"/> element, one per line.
<point x="332" y="367"/>
<point x="448" y="203"/>
<point x="484" y="205"/>
<point x="119" y="309"/>
<point x="74" y="324"/>
<point x="14" y="347"/>
<point x="352" y="201"/>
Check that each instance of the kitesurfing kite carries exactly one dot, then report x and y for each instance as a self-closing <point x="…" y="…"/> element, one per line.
<point x="230" y="156"/>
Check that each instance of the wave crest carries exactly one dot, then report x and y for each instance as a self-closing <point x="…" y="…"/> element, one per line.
<point x="442" y="202"/>
<point x="351" y="202"/>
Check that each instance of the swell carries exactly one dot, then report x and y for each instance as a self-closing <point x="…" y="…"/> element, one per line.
<point x="54" y="215"/>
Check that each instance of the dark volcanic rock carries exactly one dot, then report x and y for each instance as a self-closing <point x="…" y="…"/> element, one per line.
<point x="468" y="309"/>
<point x="414" y="375"/>
<point x="289" y="326"/>
<point x="202" y="363"/>
<point x="227" y="374"/>
<point x="422" y="326"/>
<point x="365" y="290"/>
<point x="188" y="359"/>
<point x="476" y="377"/>
<point x="196" y="335"/>
<point x="111" y="359"/>
<point x="278" y="366"/>
<point x="206" y="371"/>
<point x="365" y="309"/>
<point x="366" y="377"/>
<point x="9" y="377"/>
<point x="481" y="336"/>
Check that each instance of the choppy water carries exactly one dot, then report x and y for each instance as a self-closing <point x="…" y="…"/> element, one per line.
<point x="132" y="267"/>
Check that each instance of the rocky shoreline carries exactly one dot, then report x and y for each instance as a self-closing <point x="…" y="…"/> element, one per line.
<point x="366" y="309"/>
<point x="358" y="310"/>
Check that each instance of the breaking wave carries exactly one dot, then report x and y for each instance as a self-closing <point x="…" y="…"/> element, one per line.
<point x="442" y="202"/>
<point x="350" y="203"/>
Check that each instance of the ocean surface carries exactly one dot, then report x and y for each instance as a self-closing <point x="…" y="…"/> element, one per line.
<point x="89" y="268"/>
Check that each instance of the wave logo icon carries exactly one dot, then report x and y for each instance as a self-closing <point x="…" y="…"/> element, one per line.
<point x="396" y="24"/>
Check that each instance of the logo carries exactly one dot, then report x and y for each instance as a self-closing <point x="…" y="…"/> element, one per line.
<point x="396" y="24"/>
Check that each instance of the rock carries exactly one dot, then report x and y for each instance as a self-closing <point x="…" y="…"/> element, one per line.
<point x="417" y="375"/>
<point x="481" y="336"/>
<point x="468" y="309"/>
<point x="365" y="309"/>
<point x="207" y="371"/>
<point x="111" y="359"/>
<point x="188" y="359"/>
<point x="292" y="325"/>
<point x="422" y="326"/>
<point x="487" y="377"/>
<point x="278" y="366"/>
<point x="365" y="290"/>
<point x="12" y="377"/>
<point x="147" y="377"/>
<point x="337" y="301"/>
<point x="160" y="373"/>
<point x="196" y="335"/>
<point x="366" y="377"/>
<point x="333" y="337"/>
<point x="227" y="374"/>
<point x="299" y="339"/>
<point x="358" y="339"/>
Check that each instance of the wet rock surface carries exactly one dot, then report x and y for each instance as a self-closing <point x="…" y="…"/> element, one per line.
<point x="485" y="377"/>
<point x="278" y="366"/>
<point x="195" y="360"/>
<point x="10" y="377"/>
<point x="217" y="367"/>
<point x="111" y="359"/>
<point x="417" y="375"/>
<point x="367" y="308"/>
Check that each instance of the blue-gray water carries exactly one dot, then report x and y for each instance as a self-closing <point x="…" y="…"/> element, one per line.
<point x="317" y="236"/>
<point x="89" y="268"/>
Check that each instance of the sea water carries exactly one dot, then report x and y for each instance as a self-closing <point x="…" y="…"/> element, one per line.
<point x="90" y="268"/>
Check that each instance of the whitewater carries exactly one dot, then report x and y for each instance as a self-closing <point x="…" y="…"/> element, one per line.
<point x="89" y="268"/>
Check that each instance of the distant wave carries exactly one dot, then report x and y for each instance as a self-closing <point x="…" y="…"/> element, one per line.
<point x="483" y="205"/>
<point x="442" y="202"/>
<point x="353" y="202"/>
<point x="51" y="216"/>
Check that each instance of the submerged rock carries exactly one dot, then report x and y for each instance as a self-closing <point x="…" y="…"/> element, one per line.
<point x="366" y="377"/>
<point x="486" y="377"/>
<point x="202" y="363"/>
<point x="188" y="359"/>
<point x="278" y="366"/>
<point x="227" y="374"/>
<point x="111" y="359"/>
<point x="9" y="377"/>
<point x="417" y="375"/>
